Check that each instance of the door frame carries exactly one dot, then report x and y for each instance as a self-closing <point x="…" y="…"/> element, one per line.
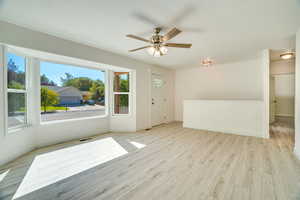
<point x="151" y="73"/>
<point x="272" y="84"/>
<point x="266" y="60"/>
<point x="266" y="63"/>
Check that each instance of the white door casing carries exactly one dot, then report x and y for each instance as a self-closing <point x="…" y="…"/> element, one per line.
<point x="272" y="99"/>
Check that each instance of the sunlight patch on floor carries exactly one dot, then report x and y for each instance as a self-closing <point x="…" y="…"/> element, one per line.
<point x="137" y="145"/>
<point x="55" y="166"/>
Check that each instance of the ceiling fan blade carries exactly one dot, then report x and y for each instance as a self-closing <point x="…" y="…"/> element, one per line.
<point x="183" y="14"/>
<point x="178" y="45"/>
<point x="192" y="30"/>
<point x="146" y="19"/>
<point x="172" y="33"/>
<point x="132" y="50"/>
<point x="137" y="38"/>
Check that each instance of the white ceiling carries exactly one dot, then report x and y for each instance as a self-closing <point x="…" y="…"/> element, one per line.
<point x="225" y="30"/>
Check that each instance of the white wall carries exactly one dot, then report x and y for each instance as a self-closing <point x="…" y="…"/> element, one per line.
<point x="16" y="144"/>
<point x="239" y="80"/>
<point x="53" y="133"/>
<point x="242" y="117"/>
<point x="297" y="97"/>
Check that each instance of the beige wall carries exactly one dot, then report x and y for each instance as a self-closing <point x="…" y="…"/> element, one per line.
<point x="282" y="67"/>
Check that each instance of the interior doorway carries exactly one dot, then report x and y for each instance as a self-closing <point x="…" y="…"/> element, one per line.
<point x="281" y="94"/>
<point x="158" y="100"/>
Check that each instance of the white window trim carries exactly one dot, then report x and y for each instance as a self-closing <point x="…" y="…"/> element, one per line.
<point x="113" y="114"/>
<point x="14" y="129"/>
<point x="106" y="82"/>
<point x="82" y="65"/>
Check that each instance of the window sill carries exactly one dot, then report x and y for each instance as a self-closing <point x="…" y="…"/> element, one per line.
<point x="72" y="120"/>
<point x="120" y="115"/>
<point x="16" y="129"/>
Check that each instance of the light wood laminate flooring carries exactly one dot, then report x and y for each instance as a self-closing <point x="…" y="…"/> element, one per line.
<point x="167" y="162"/>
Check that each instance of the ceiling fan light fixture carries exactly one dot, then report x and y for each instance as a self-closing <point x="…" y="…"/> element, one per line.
<point x="287" y="55"/>
<point x="157" y="51"/>
<point x="164" y="50"/>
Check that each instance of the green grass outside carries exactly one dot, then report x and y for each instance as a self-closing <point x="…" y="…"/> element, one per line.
<point x="48" y="108"/>
<point x="53" y="108"/>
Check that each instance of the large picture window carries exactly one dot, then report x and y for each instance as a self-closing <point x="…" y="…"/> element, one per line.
<point x="16" y="90"/>
<point x="121" y="93"/>
<point x="69" y="92"/>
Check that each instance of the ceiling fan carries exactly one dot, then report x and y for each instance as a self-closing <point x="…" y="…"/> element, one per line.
<point x="158" y="42"/>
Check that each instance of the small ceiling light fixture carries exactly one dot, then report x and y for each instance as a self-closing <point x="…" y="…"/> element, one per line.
<point x="207" y="62"/>
<point x="287" y="55"/>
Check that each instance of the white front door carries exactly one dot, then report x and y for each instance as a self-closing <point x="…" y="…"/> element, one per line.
<point x="158" y="110"/>
<point x="272" y="99"/>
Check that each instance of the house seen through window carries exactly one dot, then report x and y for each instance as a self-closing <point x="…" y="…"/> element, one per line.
<point x="69" y="92"/>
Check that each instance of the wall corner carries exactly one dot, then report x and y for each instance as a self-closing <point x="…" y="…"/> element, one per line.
<point x="265" y="89"/>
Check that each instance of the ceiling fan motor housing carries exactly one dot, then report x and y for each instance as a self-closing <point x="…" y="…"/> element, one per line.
<point x="156" y="39"/>
<point x="157" y="30"/>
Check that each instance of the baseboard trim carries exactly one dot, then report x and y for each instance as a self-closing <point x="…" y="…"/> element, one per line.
<point x="251" y="133"/>
<point x="283" y="115"/>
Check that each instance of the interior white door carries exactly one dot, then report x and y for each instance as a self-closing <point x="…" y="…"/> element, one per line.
<point x="158" y="111"/>
<point x="272" y="99"/>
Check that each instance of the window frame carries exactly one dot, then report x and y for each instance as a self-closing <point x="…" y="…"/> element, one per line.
<point x="7" y="90"/>
<point x="87" y="66"/>
<point x="114" y="93"/>
<point x="32" y="87"/>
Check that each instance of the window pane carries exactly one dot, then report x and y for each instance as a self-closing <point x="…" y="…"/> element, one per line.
<point x="121" y="81"/>
<point x="69" y="92"/>
<point x="16" y="109"/>
<point x="121" y="103"/>
<point x="157" y="83"/>
<point x="15" y="71"/>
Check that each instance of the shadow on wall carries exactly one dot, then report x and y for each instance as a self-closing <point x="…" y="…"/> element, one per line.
<point x="46" y="170"/>
<point x="177" y="20"/>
